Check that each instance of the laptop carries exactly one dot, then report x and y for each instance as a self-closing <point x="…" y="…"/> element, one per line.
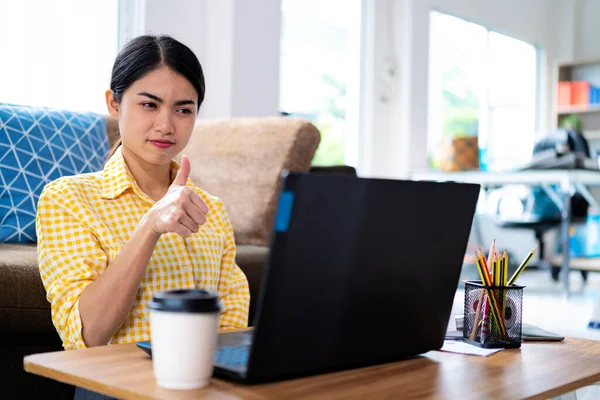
<point x="361" y="272"/>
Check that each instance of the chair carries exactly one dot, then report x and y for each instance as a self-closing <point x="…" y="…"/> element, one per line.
<point x="540" y="226"/>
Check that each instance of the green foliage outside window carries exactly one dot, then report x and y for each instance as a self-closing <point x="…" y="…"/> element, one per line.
<point x="331" y="148"/>
<point x="331" y="123"/>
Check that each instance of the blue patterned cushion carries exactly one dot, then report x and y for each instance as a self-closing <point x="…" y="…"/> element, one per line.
<point x="37" y="146"/>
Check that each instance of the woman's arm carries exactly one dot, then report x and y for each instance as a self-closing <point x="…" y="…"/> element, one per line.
<point x="105" y="303"/>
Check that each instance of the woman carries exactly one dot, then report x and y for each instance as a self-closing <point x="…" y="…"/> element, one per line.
<point x="107" y="241"/>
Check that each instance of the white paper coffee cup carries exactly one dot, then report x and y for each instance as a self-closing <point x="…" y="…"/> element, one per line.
<point x="184" y="325"/>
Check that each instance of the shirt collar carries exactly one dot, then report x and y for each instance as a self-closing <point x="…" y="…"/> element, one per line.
<point x="118" y="178"/>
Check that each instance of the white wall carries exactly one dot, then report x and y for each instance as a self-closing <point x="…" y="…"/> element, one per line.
<point x="257" y="32"/>
<point x="587" y="29"/>
<point x="393" y="134"/>
<point x="525" y="20"/>
<point x="182" y="19"/>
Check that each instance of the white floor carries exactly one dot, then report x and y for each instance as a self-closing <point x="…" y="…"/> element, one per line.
<point x="545" y="305"/>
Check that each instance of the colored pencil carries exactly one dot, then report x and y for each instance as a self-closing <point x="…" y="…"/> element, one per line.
<point x="473" y="334"/>
<point x="513" y="278"/>
<point x="491" y="296"/>
<point x="484" y="320"/>
<point x="505" y="271"/>
<point x="495" y="270"/>
<point x="491" y="253"/>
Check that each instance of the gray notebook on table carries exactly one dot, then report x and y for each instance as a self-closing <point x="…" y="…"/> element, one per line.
<point x="533" y="333"/>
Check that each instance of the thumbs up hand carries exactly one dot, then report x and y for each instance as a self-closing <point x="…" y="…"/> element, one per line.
<point x="183" y="173"/>
<point x="181" y="210"/>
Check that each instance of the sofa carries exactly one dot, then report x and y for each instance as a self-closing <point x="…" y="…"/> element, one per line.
<point x="239" y="160"/>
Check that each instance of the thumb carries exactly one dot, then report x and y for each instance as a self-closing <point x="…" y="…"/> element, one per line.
<point x="183" y="173"/>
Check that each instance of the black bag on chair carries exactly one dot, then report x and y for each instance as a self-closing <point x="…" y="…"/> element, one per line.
<point x="564" y="149"/>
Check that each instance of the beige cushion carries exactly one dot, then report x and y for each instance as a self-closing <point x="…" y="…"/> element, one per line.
<point x="240" y="161"/>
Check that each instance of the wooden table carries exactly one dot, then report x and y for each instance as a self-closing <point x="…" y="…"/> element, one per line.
<point x="536" y="371"/>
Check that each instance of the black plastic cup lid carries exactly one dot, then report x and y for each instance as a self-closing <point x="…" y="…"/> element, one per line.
<point x="186" y="300"/>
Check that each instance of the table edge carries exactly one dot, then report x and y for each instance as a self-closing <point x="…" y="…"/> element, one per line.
<point x="70" y="379"/>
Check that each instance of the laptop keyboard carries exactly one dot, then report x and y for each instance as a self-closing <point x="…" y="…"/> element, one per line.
<point x="232" y="356"/>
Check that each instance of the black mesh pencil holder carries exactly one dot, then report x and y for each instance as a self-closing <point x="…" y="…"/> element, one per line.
<point x="493" y="315"/>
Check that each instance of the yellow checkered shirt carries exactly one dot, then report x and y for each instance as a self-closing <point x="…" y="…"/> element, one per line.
<point x="83" y="221"/>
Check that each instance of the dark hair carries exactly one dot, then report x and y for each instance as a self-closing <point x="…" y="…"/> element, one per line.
<point x="145" y="54"/>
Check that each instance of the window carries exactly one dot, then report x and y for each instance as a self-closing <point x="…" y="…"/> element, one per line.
<point x="318" y="44"/>
<point x="57" y="53"/>
<point x="482" y="84"/>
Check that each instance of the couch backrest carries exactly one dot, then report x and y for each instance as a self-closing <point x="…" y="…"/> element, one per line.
<point x="240" y="161"/>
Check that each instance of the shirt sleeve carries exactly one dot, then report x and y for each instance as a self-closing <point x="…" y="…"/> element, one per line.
<point x="233" y="285"/>
<point x="69" y="258"/>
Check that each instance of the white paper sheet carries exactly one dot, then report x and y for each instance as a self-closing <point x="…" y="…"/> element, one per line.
<point x="456" y="346"/>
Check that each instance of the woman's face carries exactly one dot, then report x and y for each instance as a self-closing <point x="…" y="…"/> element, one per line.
<point x="156" y="116"/>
